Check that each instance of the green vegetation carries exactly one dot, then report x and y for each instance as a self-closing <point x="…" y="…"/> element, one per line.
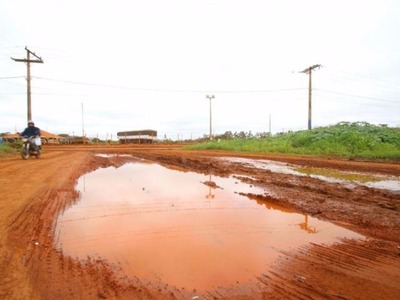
<point x="6" y="149"/>
<point x="354" y="177"/>
<point x="351" y="140"/>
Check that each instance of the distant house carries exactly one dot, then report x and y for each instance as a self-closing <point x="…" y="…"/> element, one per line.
<point x="146" y="136"/>
<point x="75" y="140"/>
<point x="49" y="138"/>
<point x="46" y="137"/>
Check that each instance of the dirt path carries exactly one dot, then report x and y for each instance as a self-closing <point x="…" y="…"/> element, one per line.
<point x="33" y="192"/>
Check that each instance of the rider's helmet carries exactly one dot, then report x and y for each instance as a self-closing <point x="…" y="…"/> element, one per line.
<point x="31" y="123"/>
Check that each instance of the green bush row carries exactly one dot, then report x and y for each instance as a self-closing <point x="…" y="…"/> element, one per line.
<point x="345" y="139"/>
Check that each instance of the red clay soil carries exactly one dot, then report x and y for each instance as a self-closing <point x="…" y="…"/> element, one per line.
<point x="35" y="191"/>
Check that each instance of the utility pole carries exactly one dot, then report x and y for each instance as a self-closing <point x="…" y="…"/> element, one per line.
<point x="210" y="97"/>
<point x="309" y="71"/>
<point x="270" y="134"/>
<point x="83" y="126"/>
<point x="28" y="62"/>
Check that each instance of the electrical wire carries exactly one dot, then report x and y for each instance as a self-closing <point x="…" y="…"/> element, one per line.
<point x="12" y="77"/>
<point x="170" y="90"/>
<point x="365" y="77"/>
<point x="357" y="96"/>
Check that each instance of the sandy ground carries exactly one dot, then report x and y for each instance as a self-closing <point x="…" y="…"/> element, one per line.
<point x="33" y="192"/>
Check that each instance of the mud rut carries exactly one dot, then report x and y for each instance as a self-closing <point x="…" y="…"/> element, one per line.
<point x="33" y="192"/>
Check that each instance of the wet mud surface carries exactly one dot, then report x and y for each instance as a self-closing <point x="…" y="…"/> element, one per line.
<point x="35" y="192"/>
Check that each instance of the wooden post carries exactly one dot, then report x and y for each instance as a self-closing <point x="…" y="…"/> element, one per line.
<point x="28" y="77"/>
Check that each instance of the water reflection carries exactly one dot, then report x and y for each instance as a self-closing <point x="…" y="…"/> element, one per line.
<point x="306" y="227"/>
<point x="210" y="183"/>
<point x="156" y="224"/>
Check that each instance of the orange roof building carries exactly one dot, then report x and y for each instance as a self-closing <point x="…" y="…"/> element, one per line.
<point x="46" y="137"/>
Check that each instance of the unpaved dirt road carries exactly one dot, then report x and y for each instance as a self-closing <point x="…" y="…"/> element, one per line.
<point x="33" y="192"/>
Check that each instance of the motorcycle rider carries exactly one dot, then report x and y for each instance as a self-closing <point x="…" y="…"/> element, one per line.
<point x="30" y="131"/>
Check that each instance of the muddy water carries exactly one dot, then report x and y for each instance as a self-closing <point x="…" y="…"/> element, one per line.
<point x="349" y="179"/>
<point x="184" y="230"/>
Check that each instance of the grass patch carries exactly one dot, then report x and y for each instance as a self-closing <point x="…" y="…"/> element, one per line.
<point x="6" y="149"/>
<point x="353" y="177"/>
<point x="349" y="140"/>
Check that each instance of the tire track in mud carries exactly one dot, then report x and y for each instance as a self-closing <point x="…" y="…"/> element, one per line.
<point x="33" y="268"/>
<point x="347" y="270"/>
<point x="27" y="187"/>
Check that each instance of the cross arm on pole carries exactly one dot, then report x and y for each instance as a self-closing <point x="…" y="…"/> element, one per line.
<point x="309" y="69"/>
<point x="309" y="72"/>
<point x="34" y="54"/>
<point x="26" y="60"/>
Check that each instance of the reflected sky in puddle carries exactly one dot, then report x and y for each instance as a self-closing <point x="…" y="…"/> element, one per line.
<point x="113" y="155"/>
<point x="183" y="229"/>
<point x="350" y="179"/>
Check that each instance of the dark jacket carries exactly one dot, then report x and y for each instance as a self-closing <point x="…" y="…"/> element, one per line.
<point x="31" y="131"/>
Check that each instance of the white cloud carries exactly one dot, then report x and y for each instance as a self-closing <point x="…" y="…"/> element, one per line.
<point x="153" y="62"/>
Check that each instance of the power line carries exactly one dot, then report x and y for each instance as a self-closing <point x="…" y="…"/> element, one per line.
<point x="195" y="91"/>
<point x="365" y="77"/>
<point x="344" y="102"/>
<point x="8" y="41"/>
<point x="358" y="96"/>
<point x="11" y="77"/>
<point x="169" y="90"/>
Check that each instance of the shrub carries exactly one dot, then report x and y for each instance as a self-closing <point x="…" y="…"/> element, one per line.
<point x="358" y="139"/>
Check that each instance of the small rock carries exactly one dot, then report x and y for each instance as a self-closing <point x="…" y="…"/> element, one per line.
<point x="299" y="277"/>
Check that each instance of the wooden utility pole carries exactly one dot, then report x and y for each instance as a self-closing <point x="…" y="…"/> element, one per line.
<point x="309" y="71"/>
<point x="83" y="126"/>
<point x="28" y="62"/>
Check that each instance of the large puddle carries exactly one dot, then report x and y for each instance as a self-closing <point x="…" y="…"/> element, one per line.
<point x="184" y="230"/>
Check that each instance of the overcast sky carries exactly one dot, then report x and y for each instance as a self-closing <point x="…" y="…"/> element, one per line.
<point x="119" y="65"/>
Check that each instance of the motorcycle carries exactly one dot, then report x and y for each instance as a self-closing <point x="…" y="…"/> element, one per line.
<point x="28" y="149"/>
